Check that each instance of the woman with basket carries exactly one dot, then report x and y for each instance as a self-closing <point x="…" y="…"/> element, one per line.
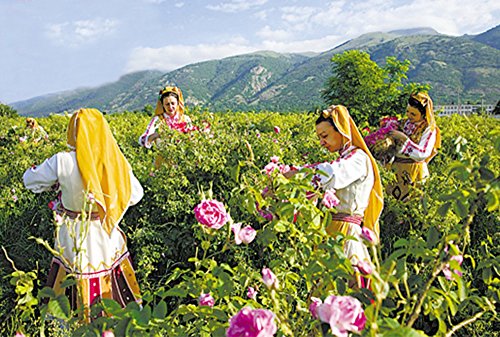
<point x="417" y="144"/>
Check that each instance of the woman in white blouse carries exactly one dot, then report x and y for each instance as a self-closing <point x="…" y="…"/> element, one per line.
<point x="95" y="192"/>
<point x="355" y="179"/>
<point x="418" y="143"/>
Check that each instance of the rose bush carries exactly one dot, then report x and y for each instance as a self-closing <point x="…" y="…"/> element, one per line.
<point x="175" y="258"/>
<point x="252" y="323"/>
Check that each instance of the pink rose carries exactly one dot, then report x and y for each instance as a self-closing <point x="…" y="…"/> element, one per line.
<point x="252" y="293"/>
<point x="53" y="205"/>
<point x="313" y="307"/>
<point x="245" y="235"/>
<point x="330" y="199"/>
<point x="269" y="278"/>
<point x="365" y="267"/>
<point x="266" y="214"/>
<point x="14" y="197"/>
<point x="211" y="213"/>
<point x="269" y="168"/>
<point x="447" y="271"/>
<point x="90" y="198"/>
<point x="108" y="333"/>
<point x="284" y="168"/>
<point x="206" y="299"/>
<point x="344" y="314"/>
<point x="277" y="129"/>
<point x="19" y="334"/>
<point x="275" y="159"/>
<point x="369" y="235"/>
<point x="252" y="323"/>
<point x="59" y="219"/>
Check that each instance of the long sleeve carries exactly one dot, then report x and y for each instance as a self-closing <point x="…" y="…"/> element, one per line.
<point x="343" y="171"/>
<point x="423" y="149"/>
<point x="151" y="128"/>
<point x="41" y="178"/>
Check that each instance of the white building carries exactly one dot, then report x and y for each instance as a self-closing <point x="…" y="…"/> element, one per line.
<point x="463" y="109"/>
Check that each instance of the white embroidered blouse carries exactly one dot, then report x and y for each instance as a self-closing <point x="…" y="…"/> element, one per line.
<point x="351" y="176"/>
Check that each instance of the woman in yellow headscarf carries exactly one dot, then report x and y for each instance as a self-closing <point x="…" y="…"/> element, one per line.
<point x="354" y="178"/>
<point x="169" y="112"/>
<point x="96" y="186"/>
<point x="418" y="142"/>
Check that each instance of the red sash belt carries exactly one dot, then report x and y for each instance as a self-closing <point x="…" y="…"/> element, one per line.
<point x="351" y="218"/>
<point x="73" y="215"/>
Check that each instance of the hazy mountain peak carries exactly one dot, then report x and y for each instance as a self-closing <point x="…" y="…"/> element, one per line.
<point x="415" y="31"/>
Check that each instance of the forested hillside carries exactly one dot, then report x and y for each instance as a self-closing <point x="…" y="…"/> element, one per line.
<point x="457" y="68"/>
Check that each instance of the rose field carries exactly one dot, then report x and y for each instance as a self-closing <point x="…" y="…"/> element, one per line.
<point x="215" y="256"/>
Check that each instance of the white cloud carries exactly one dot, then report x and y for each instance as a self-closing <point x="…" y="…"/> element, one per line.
<point x="179" y="4"/>
<point x="155" y="1"/>
<point x="234" y="6"/>
<point x="270" y="34"/>
<point x="175" y="56"/>
<point x="261" y="15"/>
<point x="80" y="32"/>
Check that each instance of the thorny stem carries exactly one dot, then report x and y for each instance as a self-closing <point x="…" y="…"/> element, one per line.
<point x="438" y="267"/>
<point x="466" y="322"/>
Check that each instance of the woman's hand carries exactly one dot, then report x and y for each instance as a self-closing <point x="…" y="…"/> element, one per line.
<point x="290" y="173"/>
<point x="398" y="136"/>
<point x="153" y="137"/>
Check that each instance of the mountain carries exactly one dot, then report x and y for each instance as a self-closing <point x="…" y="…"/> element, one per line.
<point x="464" y="67"/>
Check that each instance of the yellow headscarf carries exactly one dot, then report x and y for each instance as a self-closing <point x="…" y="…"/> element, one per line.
<point x="31" y="123"/>
<point x="180" y="107"/>
<point x="350" y="132"/>
<point x="426" y="102"/>
<point x="104" y="169"/>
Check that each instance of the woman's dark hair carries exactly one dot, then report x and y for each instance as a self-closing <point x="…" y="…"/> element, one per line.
<point x="322" y="118"/>
<point x="169" y="93"/>
<point x="413" y="102"/>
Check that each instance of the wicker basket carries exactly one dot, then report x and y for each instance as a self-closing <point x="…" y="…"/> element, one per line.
<point x="384" y="149"/>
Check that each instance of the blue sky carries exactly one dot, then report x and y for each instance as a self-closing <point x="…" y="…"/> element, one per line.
<point x="49" y="46"/>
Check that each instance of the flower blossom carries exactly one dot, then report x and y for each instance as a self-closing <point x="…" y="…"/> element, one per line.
<point x="364" y="267"/>
<point x="252" y="293"/>
<point x="277" y="129"/>
<point x="284" y="168"/>
<point x="387" y="124"/>
<point x="211" y="213"/>
<point x="108" y="333"/>
<point x="344" y="314"/>
<point x="447" y="271"/>
<point x="313" y="307"/>
<point x="252" y="323"/>
<point x="275" y="159"/>
<point x="206" y="300"/>
<point x="269" y="279"/>
<point x="369" y="235"/>
<point x="19" y="334"/>
<point x="330" y="199"/>
<point x="269" y="168"/>
<point x="246" y="234"/>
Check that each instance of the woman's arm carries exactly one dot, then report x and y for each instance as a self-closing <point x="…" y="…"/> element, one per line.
<point x="150" y="134"/>
<point x="423" y="149"/>
<point x="41" y="178"/>
<point x="343" y="171"/>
